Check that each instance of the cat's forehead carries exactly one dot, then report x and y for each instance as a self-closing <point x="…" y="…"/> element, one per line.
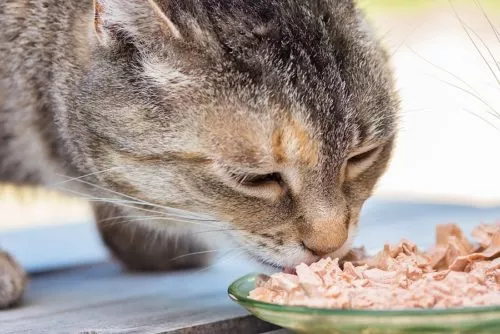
<point x="318" y="67"/>
<point x="331" y="76"/>
<point x="265" y="133"/>
<point x="324" y="114"/>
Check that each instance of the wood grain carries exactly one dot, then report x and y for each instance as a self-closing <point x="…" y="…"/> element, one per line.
<point x="103" y="299"/>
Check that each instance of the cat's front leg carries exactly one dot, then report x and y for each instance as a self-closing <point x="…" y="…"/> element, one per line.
<point x="142" y="248"/>
<point x="13" y="281"/>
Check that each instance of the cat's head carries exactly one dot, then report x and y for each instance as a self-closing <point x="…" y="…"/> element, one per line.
<point x="275" y="116"/>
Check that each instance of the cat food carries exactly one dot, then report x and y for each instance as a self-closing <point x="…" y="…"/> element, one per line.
<point x="454" y="273"/>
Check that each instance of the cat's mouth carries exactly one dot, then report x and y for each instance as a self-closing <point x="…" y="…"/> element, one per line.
<point x="283" y="262"/>
<point x="288" y="262"/>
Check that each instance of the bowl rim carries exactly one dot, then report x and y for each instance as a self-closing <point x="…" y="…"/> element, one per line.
<point x="236" y="295"/>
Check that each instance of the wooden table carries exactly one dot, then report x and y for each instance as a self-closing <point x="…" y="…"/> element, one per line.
<point x="103" y="299"/>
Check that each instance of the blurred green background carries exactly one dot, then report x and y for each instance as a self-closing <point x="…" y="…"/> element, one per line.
<point x="391" y="5"/>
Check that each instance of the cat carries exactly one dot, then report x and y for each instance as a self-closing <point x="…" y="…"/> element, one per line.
<point x="273" y="120"/>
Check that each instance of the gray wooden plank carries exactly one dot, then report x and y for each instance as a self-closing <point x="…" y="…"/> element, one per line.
<point x="103" y="299"/>
<point x="150" y="314"/>
<point x="243" y="325"/>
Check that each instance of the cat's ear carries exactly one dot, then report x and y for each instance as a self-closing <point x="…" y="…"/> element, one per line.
<point x="132" y="19"/>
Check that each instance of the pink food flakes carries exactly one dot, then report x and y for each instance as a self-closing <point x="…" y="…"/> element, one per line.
<point x="454" y="273"/>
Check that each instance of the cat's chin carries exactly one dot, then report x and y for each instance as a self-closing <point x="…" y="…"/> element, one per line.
<point x="287" y="266"/>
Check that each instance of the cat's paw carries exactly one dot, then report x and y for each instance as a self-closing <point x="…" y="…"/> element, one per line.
<point x="12" y="281"/>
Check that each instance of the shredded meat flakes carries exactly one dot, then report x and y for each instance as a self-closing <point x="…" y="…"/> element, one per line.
<point x="454" y="273"/>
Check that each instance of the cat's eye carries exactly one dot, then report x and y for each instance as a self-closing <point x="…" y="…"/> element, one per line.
<point x="258" y="180"/>
<point x="359" y="162"/>
<point x="270" y="186"/>
<point x="358" y="158"/>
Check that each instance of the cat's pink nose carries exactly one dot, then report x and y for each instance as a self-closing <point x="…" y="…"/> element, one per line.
<point x="325" y="238"/>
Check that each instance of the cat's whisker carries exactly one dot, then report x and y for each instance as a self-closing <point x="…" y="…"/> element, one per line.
<point x="110" y="200"/>
<point x="125" y="202"/>
<point x="202" y="252"/>
<point x="119" y="220"/>
<point x="481" y="117"/>
<point x="477" y="97"/>
<point x="229" y="256"/>
<point x="495" y="31"/>
<point x="487" y="48"/>
<point x="128" y="217"/>
<point x="165" y="215"/>
<point x="220" y="230"/>
<point x="180" y="211"/>
<point x="490" y="109"/>
<point x="472" y="91"/>
<point x="466" y="30"/>
<point x="495" y="113"/>
<point x="403" y="42"/>
<point x="171" y="219"/>
<point x="442" y="69"/>
<point x="70" y="179"/>
<point x="123" y="222"/>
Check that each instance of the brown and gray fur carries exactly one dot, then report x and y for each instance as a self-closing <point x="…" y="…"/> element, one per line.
<point x="255" y="113"/>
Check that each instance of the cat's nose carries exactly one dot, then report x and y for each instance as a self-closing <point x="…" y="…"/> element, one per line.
<point x="325" y="238"/>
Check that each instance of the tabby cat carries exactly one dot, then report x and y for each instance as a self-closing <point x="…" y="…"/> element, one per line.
<point x="269" y="120"/>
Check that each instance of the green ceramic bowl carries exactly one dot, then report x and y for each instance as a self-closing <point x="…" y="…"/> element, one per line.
<point x="310" y="320"/>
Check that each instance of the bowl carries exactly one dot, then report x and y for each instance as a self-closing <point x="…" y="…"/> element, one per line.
<point x="315" y="320"/>
<point x="386" y="221"/>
